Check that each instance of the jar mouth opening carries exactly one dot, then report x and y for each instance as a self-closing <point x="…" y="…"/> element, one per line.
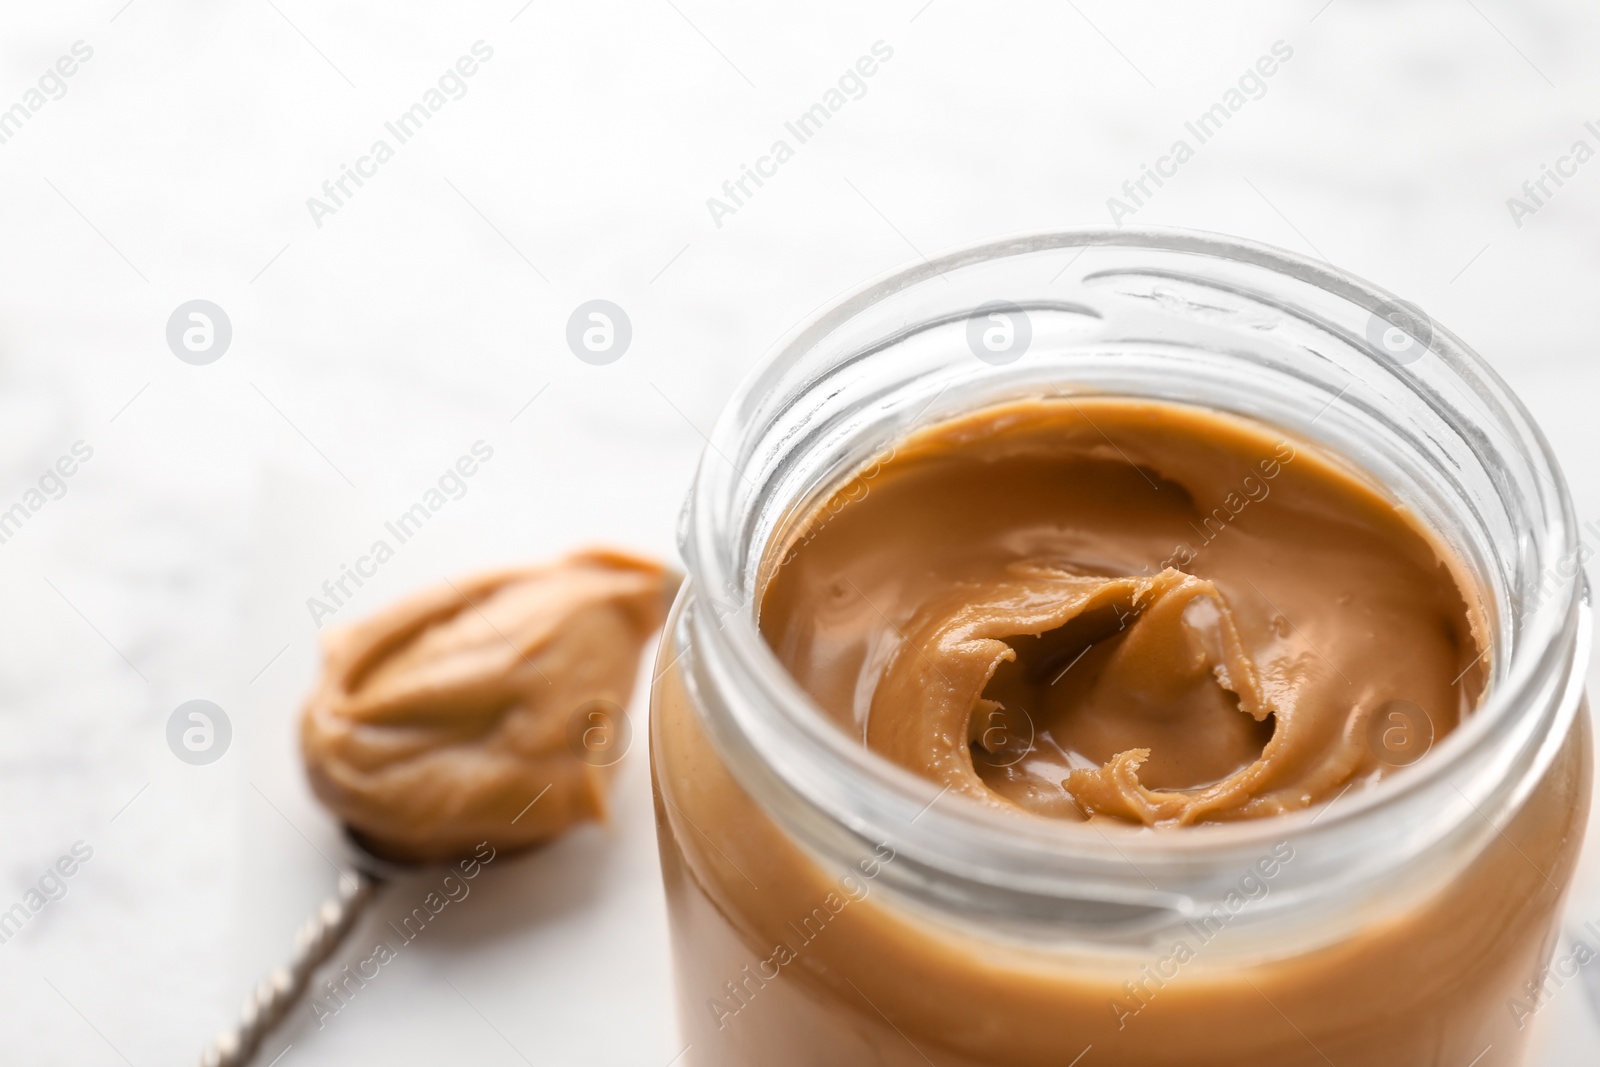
<point x="1537" y="653"/>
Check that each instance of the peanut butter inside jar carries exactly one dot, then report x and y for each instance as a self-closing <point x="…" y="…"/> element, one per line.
<point x="1128" y="618"/>
<point x="1091" y="609"/>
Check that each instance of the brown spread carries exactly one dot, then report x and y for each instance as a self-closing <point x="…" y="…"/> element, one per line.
<point x="1107" y="608"/>
<point x="448" y="720"/>
<point x="1145" y="615"/>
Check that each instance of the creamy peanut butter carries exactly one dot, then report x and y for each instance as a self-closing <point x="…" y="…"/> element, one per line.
<point x="447" y="720"/>
<point x="1126" y="609"/>
<point x="1146" y="616"/>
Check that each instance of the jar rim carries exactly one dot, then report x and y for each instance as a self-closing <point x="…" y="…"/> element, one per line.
<point x="1544" y="667"/>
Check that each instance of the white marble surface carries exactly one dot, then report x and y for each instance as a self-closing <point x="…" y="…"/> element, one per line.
<point x="370" y="351"/>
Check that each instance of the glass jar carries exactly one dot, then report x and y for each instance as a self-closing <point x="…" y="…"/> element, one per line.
<point x="826" y="907"/>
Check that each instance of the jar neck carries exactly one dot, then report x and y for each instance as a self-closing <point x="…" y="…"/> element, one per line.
<point x="1149" y="314"/>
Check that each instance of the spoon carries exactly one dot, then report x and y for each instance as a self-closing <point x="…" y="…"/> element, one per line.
<point x="447" y="684"/>
<point x="318" y="938"/>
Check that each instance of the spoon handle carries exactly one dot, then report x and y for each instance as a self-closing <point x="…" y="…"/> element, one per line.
<point x="314" y="942"/>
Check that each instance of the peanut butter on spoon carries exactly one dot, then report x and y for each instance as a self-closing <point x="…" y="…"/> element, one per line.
<point x="446" y="720"/>
<point x="485" y="713"/>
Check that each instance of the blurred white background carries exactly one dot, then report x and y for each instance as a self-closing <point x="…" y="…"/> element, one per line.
<point x="425" y="314"/>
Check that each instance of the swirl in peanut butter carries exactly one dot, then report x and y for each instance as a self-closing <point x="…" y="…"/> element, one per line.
<point x="1122" y="609"/>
